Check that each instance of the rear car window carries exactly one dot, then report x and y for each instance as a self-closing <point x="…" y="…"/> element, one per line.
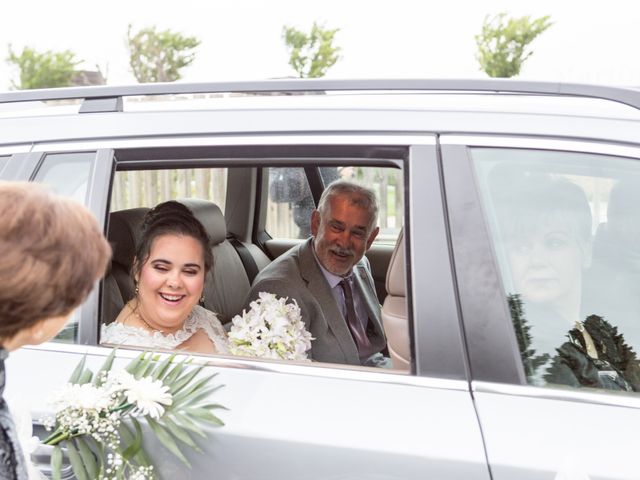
<point x="290" y="202"/>
<point x="566" y="232"/>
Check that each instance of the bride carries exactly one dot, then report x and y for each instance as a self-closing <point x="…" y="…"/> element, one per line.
<point x="172" y="259"/>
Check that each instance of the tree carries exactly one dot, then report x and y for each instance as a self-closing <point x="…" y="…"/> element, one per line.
<point x="43" y="70"/>
<point x="313" y="54"/>
<point x="503" y="42"/>
<point x="158" y="56"/>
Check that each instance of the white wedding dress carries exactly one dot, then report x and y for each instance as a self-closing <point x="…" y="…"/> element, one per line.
<point x="199" y="319"/>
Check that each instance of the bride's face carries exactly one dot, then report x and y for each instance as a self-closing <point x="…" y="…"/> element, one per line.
<point x="171" y="281"/>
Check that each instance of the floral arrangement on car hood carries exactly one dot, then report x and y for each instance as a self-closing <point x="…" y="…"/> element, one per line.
<point x="98" y="418"/>
<point x="272" y="328"/>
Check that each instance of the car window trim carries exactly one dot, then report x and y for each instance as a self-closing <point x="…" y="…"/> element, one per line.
<point x="98" y="194"/>
<point x="378" y="139"/>
<point x="490" y="339"/>
<point x="316" y="369"/>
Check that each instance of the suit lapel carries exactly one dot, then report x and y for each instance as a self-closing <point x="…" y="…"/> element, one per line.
<point x="319" y="288"/>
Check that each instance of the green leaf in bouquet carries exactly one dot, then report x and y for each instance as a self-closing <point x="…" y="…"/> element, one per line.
<point x="204" y="414"/>
<point x="195" y="387"/>
<point x="180" y="434"/>
<point x="56" y="463"/>
<point x="76" y="461"/>
<point x="167" y="440"/>
<point x="85" y="377"/>
<point x="88" y="458"/>
<point x="133" y="364"/>
<point x="106" y="366"/>
<point x="136" y="445"/>
<point x="127" y="438"/>
<point x="162" y="367"/>
<point x="186" y="422"/>
<point x="142" y="367"/>
<point x="213" y="406"/>
<point x="175" y="372"/>
<point x="75" y="375"/>
<point x="192" y="398"/>
<point x="184" y="380"/>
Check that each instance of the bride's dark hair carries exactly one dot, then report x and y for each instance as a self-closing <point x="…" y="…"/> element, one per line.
<point x="170" y="218"/>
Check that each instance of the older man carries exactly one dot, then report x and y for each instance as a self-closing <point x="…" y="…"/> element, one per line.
<point x="329" y="278"/>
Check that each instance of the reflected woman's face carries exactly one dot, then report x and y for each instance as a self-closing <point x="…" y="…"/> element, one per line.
<point x="547" y="264"/>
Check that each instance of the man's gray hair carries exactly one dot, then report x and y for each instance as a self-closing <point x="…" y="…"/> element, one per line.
<point x="359" y="195"/>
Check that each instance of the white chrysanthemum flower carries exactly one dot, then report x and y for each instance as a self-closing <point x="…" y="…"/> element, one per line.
<point x="146" y="394"/>
<point x="85" y="397"/>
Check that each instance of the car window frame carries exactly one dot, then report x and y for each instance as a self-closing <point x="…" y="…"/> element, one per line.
<point x="419" y="153"/>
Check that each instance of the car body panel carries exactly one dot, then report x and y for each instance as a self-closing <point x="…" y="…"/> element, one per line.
<point x="296" y="424"/>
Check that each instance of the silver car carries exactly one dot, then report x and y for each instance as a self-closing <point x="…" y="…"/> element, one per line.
<point x="508" y="265"/>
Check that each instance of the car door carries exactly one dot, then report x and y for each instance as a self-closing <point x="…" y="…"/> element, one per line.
<point x="313" y="420"/>
<point x="536" y="423"/>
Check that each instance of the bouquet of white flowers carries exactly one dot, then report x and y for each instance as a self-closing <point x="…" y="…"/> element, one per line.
<point x="97" y="419"/>
<point x="272" y="328"/>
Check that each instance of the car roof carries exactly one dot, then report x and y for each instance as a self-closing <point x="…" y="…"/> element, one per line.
<point x="411" y="106"/>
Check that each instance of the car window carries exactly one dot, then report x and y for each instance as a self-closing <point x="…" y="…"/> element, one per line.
<point x="3" y="162"/>
<point x="67" y="174"/>
<point x="227" y="284"/>
<point x="566" y="232"/>
<point x="133" y="189"/>
<point x="290" y="201"/>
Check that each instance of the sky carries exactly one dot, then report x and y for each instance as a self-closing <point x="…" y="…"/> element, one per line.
<point x="589" y="42"/>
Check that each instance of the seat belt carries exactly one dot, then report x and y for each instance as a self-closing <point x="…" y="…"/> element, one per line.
<point x="248" y="262"/>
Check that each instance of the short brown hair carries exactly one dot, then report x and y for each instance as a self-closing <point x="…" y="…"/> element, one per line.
<point x="52" y="251"/>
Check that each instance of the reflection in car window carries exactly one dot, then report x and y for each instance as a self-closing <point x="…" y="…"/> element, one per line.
<point x="291" y="203"/>
<point x="567" y="236"/>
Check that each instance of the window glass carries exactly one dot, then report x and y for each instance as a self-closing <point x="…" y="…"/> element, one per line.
<point x="290" y="202"/>
<point x="566" y="231"/>
<point x="67" y="173"/>
<point x="3" y="162"/>
<point x="132" y="189"/>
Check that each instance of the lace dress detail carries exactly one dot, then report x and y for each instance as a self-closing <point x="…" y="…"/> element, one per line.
<point x="200" y="318"/>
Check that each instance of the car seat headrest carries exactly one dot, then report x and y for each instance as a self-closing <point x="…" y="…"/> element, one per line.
<point x="211" y="217"/>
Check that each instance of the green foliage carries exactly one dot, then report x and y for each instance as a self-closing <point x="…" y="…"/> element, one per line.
<point x="183" y="418"/>
<point x="43" y="69"/>
<point x="311" y="55"/>
<point x="158" y="56"/>
<point x="503" y="42"/>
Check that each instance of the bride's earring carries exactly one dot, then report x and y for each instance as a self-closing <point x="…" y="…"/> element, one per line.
<point x="137" y="290"/>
